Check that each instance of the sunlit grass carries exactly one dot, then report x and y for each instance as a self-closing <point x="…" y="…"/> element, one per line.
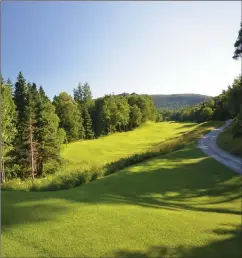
<point x="119" y="145"/>
<point x="183" y="203"/>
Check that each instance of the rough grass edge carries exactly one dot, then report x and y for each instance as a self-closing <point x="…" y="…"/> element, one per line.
<point x="78" y="177"/>
<point x="230" y="144"/>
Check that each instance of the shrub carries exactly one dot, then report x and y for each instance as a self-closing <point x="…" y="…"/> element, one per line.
<point x="50" y="167"/>
<point x="237" y="126"/>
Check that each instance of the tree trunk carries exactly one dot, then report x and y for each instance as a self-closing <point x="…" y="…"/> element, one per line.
<point x="32" y="156"/>
<point x="2" y="171"/>
<point x="31" y="150"/>
<point x="2" y="165"/>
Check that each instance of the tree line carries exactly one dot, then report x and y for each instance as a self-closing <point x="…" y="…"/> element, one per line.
<point x="33" y="127"/>
<point x="222" y="107"/>
<point x="225" y="106"/>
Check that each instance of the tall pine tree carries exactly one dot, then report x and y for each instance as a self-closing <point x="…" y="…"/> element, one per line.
<point x="48" y="146"/>
<point x="31" y="133"/>
<point x="8" y="126"/>
<point x="87" y="124"/>
<point x="21" y="102"/>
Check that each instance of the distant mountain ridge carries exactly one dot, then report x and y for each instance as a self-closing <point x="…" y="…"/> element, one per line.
<point x="173" y="101"/>
<point x="176" y="101"/>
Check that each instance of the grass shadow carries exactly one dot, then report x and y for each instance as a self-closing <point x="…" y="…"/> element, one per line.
<point x="185" y="179"/>
<point x="229" y="247"/>
<point x="182" y="180"/>
<point x="27" y="208"/>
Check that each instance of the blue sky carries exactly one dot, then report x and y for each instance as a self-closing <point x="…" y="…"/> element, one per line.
<point x="142" y="47"/>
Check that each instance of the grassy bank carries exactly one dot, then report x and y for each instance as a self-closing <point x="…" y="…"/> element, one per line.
<point x="228" y="143"/>
<point x="85" y="174"/>
<point x="182" y="204"/>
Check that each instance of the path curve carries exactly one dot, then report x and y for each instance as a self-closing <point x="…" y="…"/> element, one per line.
<point x="208" y="145"/>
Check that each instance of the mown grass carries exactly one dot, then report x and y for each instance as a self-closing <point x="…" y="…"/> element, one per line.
<point x="111" y="148"/>
<point x="230" y="144"/>
<point x="81" y="175"/>
<point x="183" y="204"/>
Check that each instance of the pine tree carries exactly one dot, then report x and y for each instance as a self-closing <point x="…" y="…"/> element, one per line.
<point x="42" y="94"/>
<point x="8" y="125"/>
<point x="238" y="44"/>
<point x="20" y="98"/>
<point x="104" y="119"/>
<point x="31" y="134"/>
<point x="48" y="146"/>
<point x="97" y="117"/>
<point x="78" y="93"/>
<point x="87" y="124"/>
<point x="83" y="94"/>
<point x="87" y="94"/>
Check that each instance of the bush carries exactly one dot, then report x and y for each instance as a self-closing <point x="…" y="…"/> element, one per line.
<point x="50" y="167"/>
<point x="11" y="170"/>
<point x="237" y="126"/>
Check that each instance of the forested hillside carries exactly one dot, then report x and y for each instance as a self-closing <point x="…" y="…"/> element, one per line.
<point x="34" y="127"/>
<point x="176" y="101"/>
<point x="225" y="106"/>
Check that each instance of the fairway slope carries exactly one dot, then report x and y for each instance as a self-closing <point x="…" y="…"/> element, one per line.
<point x="110" y="148"/>
<point x="182" y="204"/>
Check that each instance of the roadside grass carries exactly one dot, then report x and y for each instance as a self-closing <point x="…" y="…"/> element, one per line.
<point x="226" y="142"/>
<point x="87" y="173"/>
<point x="182" y="204"/>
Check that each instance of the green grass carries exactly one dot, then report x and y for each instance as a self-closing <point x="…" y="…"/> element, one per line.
<point x="228" y="143"/>
<point x="183" y="204"/>
<point x="120" y="145"/>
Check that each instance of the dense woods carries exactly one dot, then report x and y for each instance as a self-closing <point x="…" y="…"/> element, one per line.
<point x="30" y="131"/>
<point x="34" y="127"/>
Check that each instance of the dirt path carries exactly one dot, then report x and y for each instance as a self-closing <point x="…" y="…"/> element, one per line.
<point x="208" y="145"/>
